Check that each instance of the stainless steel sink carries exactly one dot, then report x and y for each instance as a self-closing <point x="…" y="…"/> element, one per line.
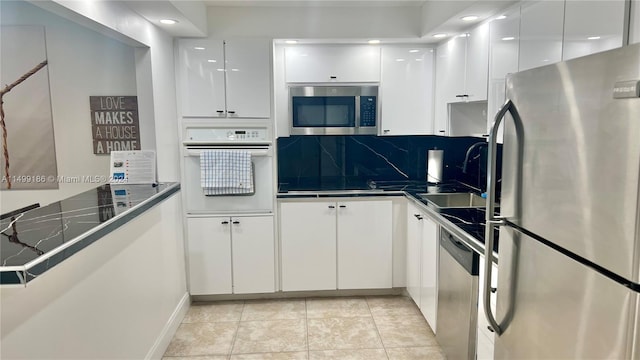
<point x="454" y="200"/>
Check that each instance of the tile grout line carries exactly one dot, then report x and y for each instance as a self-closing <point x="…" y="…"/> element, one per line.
<point x="235" y="336"/>
<point x="366" y="299"/>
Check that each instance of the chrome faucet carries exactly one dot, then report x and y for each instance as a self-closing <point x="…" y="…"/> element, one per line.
<point x="469" y="151"/>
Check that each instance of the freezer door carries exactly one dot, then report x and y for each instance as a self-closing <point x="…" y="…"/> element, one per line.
<point x="581" y="157"/>
<point x="552" y="307"/>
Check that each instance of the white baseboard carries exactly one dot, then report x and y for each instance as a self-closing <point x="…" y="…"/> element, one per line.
<point x="162" y="342"/>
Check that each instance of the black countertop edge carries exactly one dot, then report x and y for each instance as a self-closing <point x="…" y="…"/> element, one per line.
<point x="21" y="273"/>
<point x="338" y="193"/>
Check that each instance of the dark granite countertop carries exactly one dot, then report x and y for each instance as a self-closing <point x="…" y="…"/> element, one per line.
<point x="38" y="239"/>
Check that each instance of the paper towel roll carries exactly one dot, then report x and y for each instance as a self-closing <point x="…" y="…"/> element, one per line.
<point x="434" y="166"/>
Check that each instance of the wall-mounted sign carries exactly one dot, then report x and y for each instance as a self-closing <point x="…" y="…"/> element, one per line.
<point x="114" y="123"/>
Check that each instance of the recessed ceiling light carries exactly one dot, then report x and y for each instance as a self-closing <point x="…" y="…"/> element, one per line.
<point x="198" y="48"/>
<point x="220" y="69"/>
<point x="291" y="41"/>
<point x="501" y="17"/>
<point x="593" y="37"/>
<point x="399" y="59"/>
<point x="414" y="50"/>
<point x="469" y="18"/>
<point x="508" y="38"/>
<point x="440" y="35"/>
<point x="374" y="41"/>
<point x="211" y="61"/>
<point x="235" y="69"/>
<point x="168" y="21"/>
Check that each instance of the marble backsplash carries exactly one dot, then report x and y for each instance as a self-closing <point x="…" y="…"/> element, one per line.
<point x="353" y="162"/>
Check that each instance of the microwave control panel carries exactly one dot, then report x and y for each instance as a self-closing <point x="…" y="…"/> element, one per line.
<point x="368" y="111"/>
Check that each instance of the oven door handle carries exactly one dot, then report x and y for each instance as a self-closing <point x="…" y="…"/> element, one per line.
<point x="253" y="152"/>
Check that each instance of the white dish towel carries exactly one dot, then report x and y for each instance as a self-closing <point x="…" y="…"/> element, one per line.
<point x="226" y="172"/>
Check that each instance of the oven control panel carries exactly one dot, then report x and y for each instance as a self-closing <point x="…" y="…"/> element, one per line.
<point x="227" y="134"/>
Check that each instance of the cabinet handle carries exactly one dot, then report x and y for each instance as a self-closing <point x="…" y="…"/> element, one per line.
<point x="485" y="135"/>
<point x="386" y="131"/>
<point x="343" y="206"/>
<point x="331" y="207"/>
<point x="493" y="290"/>
<point x="418" y="216"/>
<point x="231" y="112"/>
<point x="442" y="131"/>
<point x="333" y="77"/>
<point x="490" y="328"/>
<point x="225" y="222"/>
<point x="460" y="96"/>
<point x="220" y="111"/>
<point x="236" y="222"/>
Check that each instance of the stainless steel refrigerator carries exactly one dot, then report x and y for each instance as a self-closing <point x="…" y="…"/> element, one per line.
<point x="569" y="266"/>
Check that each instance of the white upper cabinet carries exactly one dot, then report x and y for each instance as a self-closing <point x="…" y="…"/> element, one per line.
<point x="450" y="68"/>
<point x="225" y="78"/>
<point x="332" y="63"/>
<point x="504" y="35"/>
<point x="248" y="69"/>
<point x="593" y="26"/>
<point x="461" y="73"/>
<point x="406" y="90"/>
<point x="634" y="33"/>
<point x="541" y="28"/>
<point x="477" y="63"/>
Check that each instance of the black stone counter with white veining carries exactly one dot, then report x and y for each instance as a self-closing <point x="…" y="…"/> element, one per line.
<point x="36" y="240"/>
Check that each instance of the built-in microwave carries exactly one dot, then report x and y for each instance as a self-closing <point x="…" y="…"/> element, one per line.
<point x="333" y="110"/>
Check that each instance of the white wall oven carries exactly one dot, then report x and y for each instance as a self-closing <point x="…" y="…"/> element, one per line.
<point x="255" y="140"/>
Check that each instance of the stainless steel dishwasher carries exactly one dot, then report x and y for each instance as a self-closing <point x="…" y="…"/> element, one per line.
<point x="457" y="298"/>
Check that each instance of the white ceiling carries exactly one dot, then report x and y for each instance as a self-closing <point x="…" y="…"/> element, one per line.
<point x="438" y="16"/>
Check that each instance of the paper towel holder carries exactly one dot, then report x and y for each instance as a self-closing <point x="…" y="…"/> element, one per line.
<point x="435" y="164"/>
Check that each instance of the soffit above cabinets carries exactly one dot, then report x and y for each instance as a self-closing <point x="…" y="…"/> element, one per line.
<point x="437" y="16"/>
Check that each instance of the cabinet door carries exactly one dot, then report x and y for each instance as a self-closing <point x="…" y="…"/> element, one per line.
<point x="503" y="60"/>
<point x="253" y="254"/>
<point x="485" y="337"/>
<point x="335" y="63"/>
<point x="407" y="90"/>
<point x="248" y="69"/>
<point x="586" y="31"/>
<point x="414" y="251"/>
<point x="541" y="27"/>
<point x="308" y="241"/>
<point x="450" y="75"/>
<point x="429" y="278"/>
<point x="477" y="63"/>
<point x="209" y="255"/>
<point x="365" y="253"/>
<point x="201" y="77"/>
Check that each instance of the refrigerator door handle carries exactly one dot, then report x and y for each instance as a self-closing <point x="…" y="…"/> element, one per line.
<point x="493" y="221"/>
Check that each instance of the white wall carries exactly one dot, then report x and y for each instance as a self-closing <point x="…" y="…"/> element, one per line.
<point x="81" y="63"/>
<point x="122" y="297"/>
<point x="83" y="54"/>
<point x="315" y="22"/>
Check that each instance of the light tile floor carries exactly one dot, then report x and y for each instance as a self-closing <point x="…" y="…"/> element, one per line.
<point x="371" y="328"/>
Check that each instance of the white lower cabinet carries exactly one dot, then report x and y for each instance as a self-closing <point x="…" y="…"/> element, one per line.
<point x="328" y="245"/>
<point x="308" y="246"/>
<point x="231" y="255"/>
<point x="485" y="336"/>
<point x="422" y="262"/>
